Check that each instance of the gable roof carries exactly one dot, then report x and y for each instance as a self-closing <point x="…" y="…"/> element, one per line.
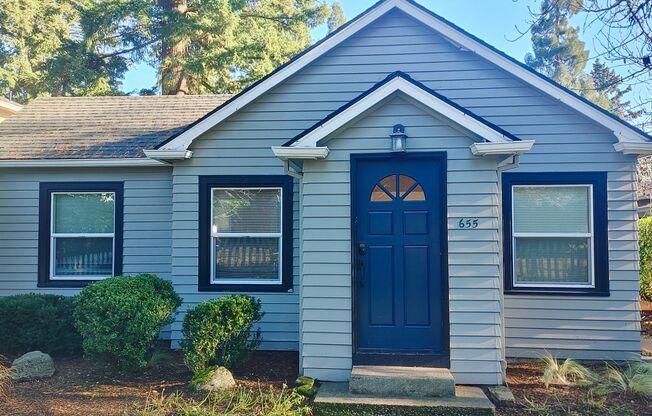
<point x="401" y="82"/>
<point x="98" y="127"/>
<point x="623" y="131"/>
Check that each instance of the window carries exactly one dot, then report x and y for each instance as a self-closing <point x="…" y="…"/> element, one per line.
<point x="556" y="230"/>
<point x="246" y="233"/>
<point x="393" y="186"/>
<point x="80" y="232"/>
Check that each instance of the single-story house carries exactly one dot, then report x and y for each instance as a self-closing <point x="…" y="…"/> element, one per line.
<point x="400" y="193"/>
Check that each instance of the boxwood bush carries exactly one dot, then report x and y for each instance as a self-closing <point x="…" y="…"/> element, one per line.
<point x="120" y="318"/>
<point x="38" y="322"/>
<point x="645" y="247"/>
<point x="219" y="332"/>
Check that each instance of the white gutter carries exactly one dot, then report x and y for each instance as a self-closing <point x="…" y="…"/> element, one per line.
<point x="80" y="163"/>
<point x="285" y="153"/>
<point x="166" y="154"/>
<point x="631" y="148"/>
<point x="503" y="148"/>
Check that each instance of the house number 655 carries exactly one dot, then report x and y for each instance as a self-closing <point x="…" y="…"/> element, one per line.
<point x="468" y="223"/>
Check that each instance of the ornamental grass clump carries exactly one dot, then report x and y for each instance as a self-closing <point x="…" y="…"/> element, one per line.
<point x="218" y="332"/>
<point x="120" y="318"/>
<point x="635" y="378"/>
<point x="566" y="373"/>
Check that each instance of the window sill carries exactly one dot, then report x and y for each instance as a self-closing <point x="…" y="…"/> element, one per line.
<point x="71" y="284"/>
<point x="558" y="292"/>
<point x="245" y="288"/>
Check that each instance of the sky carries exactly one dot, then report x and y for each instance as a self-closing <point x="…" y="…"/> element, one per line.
<point x="494" y="21"/>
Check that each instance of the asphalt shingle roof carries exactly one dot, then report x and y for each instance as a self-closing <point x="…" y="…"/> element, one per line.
<point x="99" y="127"/>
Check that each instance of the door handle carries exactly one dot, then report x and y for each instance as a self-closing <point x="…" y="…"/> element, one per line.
<point x="362" y="249"/>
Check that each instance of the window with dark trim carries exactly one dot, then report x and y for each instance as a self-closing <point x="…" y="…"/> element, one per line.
<point x="555" y="233"/>
<point x="80" y="232"/>
<point x="245" y="233"/>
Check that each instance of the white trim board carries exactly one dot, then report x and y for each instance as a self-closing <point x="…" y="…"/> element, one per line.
<point x="80" y="163"/>
<point x="400" y="84"/>
<point x="454" y="34"/>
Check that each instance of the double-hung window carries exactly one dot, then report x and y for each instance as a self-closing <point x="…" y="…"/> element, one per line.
<point x="556" y="230"/>
<point x="80" y="232"/>
<point x="246" y="236"/>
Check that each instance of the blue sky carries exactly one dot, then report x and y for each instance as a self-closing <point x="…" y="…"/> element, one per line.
<point x="494" y="21"/>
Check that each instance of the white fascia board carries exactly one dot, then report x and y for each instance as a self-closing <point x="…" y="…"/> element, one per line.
<point x="630" y="148"/>
<point x="285" y="153"/>
<point x="80" y="163"/>
<point x="507" y="148"/>
<point x="184" y="140"/>
<point x="163" y="154"/>
<point x="412" y="91"/>
<point x="11" y="106"/>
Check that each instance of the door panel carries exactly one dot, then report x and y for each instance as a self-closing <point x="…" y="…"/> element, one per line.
<point x="400" y="285"/>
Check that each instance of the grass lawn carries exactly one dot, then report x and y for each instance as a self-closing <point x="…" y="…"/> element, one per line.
<point x="82" y="387"/>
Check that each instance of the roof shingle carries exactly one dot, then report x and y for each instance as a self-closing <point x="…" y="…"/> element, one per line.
<point x="99" y="127"/>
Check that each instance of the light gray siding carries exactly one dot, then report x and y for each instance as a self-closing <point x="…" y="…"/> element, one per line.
<point x="474" y="294"/>
<point x="147" y="222"/>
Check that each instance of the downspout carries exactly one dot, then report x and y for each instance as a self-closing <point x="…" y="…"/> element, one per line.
<point x="293" y="169"/>
<point x="509" y="163"/>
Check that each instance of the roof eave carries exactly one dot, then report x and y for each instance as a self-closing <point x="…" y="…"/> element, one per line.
<point x="632" y="148"/>
<point x="81" y="163"/>
<point x="506" y="148"/>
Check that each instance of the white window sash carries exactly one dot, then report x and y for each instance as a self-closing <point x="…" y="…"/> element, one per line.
<point x="214" y="235"/>
<point x="589" y="235"/>
<point x="54" y="236"/>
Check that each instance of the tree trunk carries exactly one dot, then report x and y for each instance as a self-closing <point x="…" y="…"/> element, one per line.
<point x="174" y="80"/>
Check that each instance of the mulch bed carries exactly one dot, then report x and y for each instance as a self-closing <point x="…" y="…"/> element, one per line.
<point x="646" y="318"/>
<point x="82" y="387"/>
<point x="524" y="379"/>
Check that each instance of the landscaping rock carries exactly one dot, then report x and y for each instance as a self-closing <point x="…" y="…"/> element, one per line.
<point x="33" y="365"/>
<point x="501" y="395"/>
<point x="215" y="379"/>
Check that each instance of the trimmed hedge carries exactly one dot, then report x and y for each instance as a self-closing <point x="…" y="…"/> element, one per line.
<point x="645" y="253"/>
<point x="218" y="332"/>
<point x="120" y="318"/>
<point x="38" y="322"/>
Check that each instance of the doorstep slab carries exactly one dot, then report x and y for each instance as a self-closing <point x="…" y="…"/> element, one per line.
<point x="402" y="381"/>
<point x="335" y="399"/>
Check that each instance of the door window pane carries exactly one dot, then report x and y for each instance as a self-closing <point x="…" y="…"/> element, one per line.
<point x="246" y="210"/>
<point x="83" y="213"/>
<point x="83" y="256"/>
<point x="551" y="209"/>
<point x="552" y="260"/>
<point x="247" y="258"/>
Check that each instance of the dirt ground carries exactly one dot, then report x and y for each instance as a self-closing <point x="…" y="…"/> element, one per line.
<point x="81" y="387"/>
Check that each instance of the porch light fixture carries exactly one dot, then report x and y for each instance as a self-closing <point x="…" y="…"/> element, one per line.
<point x="398" y="138"/>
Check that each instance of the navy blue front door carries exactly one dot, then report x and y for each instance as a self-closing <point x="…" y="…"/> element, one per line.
<point x="400" y="284"/>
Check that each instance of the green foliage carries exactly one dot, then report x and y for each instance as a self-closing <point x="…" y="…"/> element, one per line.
<point x="567" y="373"/>
<point x="218" y="332"/>
<point x="635" y="378"/>
<point x="237" y="402"/>
<point x="84" y="47"/>
<point x="645" y="251"/>
<point x="38" y="322"/>
<point x="120" y="318"/>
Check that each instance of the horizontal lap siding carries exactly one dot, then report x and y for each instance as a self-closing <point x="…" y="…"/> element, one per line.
<point x="147" y="246"/>
<point x="473" y="260"/>
<point x="218" y="153"/>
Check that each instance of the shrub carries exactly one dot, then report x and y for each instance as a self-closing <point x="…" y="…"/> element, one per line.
<point x="38" y="322"/>
<point x="645" y="249"/>
<point x="218" y="332"/>
<point x="120" y="318"/>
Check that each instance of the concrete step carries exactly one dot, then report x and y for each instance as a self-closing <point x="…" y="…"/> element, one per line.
<point x="402" y="381"/>
<point x="335" y="399"/>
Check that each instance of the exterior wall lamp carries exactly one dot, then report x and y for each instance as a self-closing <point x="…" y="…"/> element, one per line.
<point x="398" y="138"/>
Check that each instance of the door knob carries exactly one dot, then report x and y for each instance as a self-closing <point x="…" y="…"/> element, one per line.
<point x="362" y="249"/>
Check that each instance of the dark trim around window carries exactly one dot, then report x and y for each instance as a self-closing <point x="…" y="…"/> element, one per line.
<point x="600" y="231"/>
<point x="206" y="183"/>
<point x="45" y="217"/>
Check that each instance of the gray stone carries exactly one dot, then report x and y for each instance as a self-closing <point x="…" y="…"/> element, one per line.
<point x="402" y="381"/>
<point x="219" y="379"/>
<point x="501" y="395"/>
<point x="336" y="399"/>
<point x="33" y="365"/>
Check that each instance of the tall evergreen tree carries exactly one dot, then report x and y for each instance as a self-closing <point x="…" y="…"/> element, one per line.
<point x="79" y="47"/>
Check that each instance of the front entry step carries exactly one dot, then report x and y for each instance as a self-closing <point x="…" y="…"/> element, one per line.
<point x="402" y="381"/>
<point x="335" y="399"/>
